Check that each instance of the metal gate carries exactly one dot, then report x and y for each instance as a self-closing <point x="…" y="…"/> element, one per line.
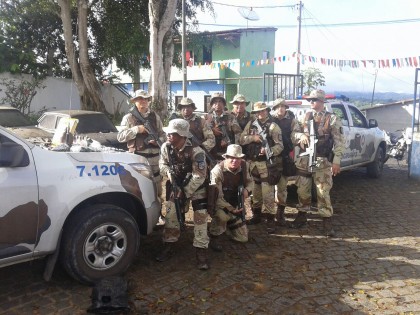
<point x="287" y="86"/>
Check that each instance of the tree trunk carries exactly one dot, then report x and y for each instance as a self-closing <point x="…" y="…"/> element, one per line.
<point x="136" y="73"/>
<point x="89" y="79"/>
<point x="83" y="75"/>
<point x="161" y="18"/>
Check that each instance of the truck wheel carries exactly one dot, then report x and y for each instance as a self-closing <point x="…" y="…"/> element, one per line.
<point x="99" y="241"/>
<point x="375" y="168"/>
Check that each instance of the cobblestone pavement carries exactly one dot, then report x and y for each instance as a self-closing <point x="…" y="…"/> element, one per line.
<point x="372" y="266"/>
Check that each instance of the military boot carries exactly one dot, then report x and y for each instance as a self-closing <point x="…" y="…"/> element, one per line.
<point x="300" y="220"/>
<point x="215" y="243"/>
<point x="256" y="217"/>
<point x="281" y="220"/>
<point x="271" y="225"/>
<point x="328" y="227"/>
<point x="165" y="253"/>
<point x="202" y="262"/>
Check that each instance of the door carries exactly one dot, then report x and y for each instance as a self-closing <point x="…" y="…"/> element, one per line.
<point x="348" y="155"/>
<point x="18" y="200"/>
<point x="363" y="138"/>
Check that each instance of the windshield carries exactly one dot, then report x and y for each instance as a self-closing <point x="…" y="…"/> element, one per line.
<point x="93" y="123"/>
<point x="13" y="118"/>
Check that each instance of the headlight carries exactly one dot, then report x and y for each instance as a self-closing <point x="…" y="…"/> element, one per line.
<point x="143" y="169"/>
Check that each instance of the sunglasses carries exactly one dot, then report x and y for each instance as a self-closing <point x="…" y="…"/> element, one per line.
<point x="311" y="100"/>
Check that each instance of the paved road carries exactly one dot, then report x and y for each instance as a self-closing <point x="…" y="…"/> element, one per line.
<point x="371" y="267"/>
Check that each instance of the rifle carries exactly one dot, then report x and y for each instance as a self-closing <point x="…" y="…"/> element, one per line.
<point x="222" y="127"/>
<point x="153" y="135"/>
<point x="311" y="150"/>
<point x="179" y="203"/>
<point x="241" y="203"/>
<point x="264" y="142"/>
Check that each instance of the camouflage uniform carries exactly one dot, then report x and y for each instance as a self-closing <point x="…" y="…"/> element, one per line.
<point x="327" y="126"/>
<point x="223" y="121"/>
<point x="136" y="144"/>
<point x="227" y="183"/>
<point x="288" y="125"/>
<point x="263" y="192"/>
<point x="190" y="165"/>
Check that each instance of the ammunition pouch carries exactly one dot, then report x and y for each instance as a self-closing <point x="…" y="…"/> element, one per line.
<point x="274" y="170"/>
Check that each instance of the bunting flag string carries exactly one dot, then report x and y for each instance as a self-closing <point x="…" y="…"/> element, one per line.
<point x="413" y="61"/>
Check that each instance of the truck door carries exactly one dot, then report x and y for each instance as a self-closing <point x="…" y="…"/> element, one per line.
<point x="361" y="138"/>
<point x="18" y="200"/>
<point x="340" y="111"/>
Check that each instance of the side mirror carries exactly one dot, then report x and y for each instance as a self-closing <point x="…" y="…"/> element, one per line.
<point x="373" y="123"/>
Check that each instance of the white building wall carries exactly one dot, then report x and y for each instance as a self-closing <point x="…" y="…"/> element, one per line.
<point x="62" y="93"/>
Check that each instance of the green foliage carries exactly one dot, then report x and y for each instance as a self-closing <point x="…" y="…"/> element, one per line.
<point x="30" y="38"/>
<point x="312" y="79"/>
<point x="20" y="92"/>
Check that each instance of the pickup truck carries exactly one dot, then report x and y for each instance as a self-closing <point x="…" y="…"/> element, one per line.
<point x="365" y="142"/>
<point x="85" y="209"/>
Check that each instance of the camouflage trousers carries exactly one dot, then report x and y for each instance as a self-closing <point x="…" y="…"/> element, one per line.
<point x="323" y="182"/>
<point x="281" y="191"/>
<point x="172" y="230"/>
<point x="263" y="194"/>
<point x="230" y="223"/>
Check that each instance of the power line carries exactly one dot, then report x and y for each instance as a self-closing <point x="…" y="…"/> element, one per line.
<point x="325" y="25"/>
<point x="255" y="7"/>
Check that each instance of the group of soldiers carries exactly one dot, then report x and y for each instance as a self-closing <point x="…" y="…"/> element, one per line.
<point x="215" y="162"/>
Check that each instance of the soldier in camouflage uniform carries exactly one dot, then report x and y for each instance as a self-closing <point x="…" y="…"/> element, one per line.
<point x="199" y="128"/>
<point x="263" y="192"/>
<point x="136" y="134"/>
<point x="226" y="178"/>
<point x="239" y="104"/>
<point x="223" y="124"/>
<point x="288" y="125"/>
<point x="329" y="132"/>
<point x="186" y="165"/>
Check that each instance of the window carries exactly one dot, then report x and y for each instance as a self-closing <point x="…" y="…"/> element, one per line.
<point x="207" y="105"/>
<point x="266" y="54"/>
<point x="358" y="119"/>
<point x="340" y="112"/>
<point x="207" y="57"/>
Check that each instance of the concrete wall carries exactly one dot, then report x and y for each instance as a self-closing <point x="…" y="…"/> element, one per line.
<point x="62" y="93"/>
<point x="392" y="117"/>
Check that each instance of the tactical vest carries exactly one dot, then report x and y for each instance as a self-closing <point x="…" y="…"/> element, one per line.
<point x="195" y="126"/>
<point x="322" y="131"/>
<point x="196" y="129"/>
<point x="231" y="183"/>
<point x="285" y="125"/>
<point x="253" y="149"/>
<point x="138" y="144"/>
<point x="244" y="120"/>
<point x="222" y="121"/>
<point x="182" y="163"/>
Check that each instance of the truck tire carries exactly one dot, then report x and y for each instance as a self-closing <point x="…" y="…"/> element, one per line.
<point x="374" y="169"/>
<point x="99" y="241"/>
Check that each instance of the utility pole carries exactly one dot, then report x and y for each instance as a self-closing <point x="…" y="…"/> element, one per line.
<point x="374" y="84"/>
<point x="299" y="34"/>
<point x="184" y="65"/>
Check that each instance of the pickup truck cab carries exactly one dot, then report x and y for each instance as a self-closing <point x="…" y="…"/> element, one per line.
<point x="365" y="142"/>
<point x="86" y="208"/>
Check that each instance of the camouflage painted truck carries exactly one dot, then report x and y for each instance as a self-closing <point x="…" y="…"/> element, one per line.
<point x="86" y="209"/>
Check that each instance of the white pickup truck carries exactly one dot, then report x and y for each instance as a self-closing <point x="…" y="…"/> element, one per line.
<point x="86" y="208"/>
<point x="365" y="142"/>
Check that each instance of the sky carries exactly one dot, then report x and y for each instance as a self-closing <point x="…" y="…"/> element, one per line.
<point x="321" y="39"/>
